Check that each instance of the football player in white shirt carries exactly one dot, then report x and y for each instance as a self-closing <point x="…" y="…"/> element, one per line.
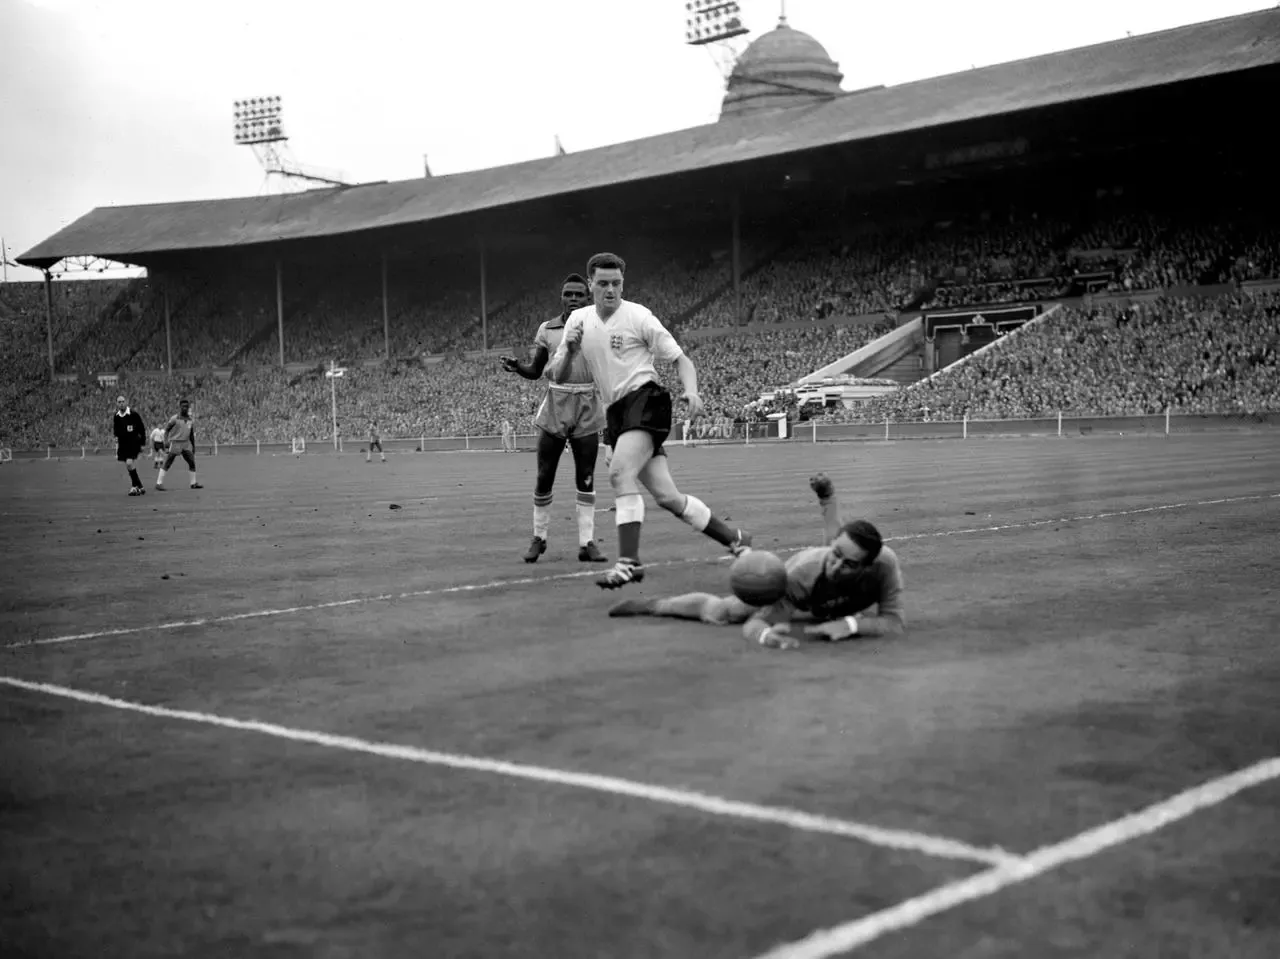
<point x="157" y="446"/>
<point x="620" y="341"/>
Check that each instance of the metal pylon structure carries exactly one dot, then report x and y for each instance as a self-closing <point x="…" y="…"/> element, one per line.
<point x="259" y="125"/>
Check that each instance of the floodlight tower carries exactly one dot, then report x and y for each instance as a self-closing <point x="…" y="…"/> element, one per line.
<point x="717" y="26"/>
<point x="259" y="124"/>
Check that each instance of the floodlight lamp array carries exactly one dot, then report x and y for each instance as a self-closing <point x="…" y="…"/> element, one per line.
<point x="257" y="107"/>
<point x="707" y="21"/>
<point x="259" y="120"/>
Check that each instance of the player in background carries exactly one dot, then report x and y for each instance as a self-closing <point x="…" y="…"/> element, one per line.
<point x="569" y="413"/>
<point x="374" y="441"/>
<point x="831" y="586"/>
<point x="157" y="447"/>
<point x="131" y="440"/>
<point x="508" y="437"/>
<point x="180" y="432"/>
<point x="619" y="341"/>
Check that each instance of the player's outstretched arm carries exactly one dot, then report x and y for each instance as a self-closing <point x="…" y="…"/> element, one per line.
<point x="531" y="366"/>
<point x="892" y="618"/>
<point x="826" y="492"/>
<point x="771" y="627"/>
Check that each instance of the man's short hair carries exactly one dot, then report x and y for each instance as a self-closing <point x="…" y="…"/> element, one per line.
<point x="606" y="261"/>
<point x="865" y="535"/>
<point x="573" y="278"/>
<point x="122" y="399"/>
<point x="184" y="402"/>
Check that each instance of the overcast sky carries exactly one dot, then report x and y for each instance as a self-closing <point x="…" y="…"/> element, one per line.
<point x="109" y="102"/>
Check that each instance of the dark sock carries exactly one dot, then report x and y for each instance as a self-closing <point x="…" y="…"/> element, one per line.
<point x="133" y="477"/>
<point x="722" y="534"/>
<point x="629" y="541"/>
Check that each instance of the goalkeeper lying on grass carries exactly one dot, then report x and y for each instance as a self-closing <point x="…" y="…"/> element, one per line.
<point x="829" y="586"/>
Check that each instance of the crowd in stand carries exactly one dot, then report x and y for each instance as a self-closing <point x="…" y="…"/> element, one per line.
<point x="453" y="397"/>
<point x="339" y="314"/>
<point x="734" y="371"/>
<point x="1185" y="355"/>
<point x="1143" y="363"/>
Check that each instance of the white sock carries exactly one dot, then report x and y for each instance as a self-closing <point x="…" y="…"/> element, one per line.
<point x="541" y="520"/>
<point x="160" y="478"/>
<point x="696" y="513"/>
<point x="193" y="478"/>
<point x="586" y="517"/>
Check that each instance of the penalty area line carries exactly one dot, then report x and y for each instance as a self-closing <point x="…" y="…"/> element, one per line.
<point x="557" y="577"/>
<point x="899" y="839"/>
<point x="911" y="912"/>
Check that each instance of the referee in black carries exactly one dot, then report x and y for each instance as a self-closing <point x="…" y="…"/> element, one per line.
<point x="131" y="439"/>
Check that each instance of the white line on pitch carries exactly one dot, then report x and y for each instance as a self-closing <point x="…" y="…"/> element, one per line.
<point x="839" y="939"/>
<point x="533" y="580"/>
<point x="687" y="799"/>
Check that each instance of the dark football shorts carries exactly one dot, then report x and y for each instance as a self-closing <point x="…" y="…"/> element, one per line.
<point x="124" y="453"/>
<point x="648" y="408"/>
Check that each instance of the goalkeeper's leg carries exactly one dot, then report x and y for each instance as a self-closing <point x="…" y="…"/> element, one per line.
<point x="704" y="607"/>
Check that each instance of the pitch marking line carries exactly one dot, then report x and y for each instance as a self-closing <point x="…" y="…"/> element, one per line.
<point x="899" y="839"/>
<point x="911" y="912"/>
<point x="532" y="580"/>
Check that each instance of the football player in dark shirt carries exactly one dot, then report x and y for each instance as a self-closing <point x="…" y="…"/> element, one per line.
<point x="569" y="413"/>
<point x="832" y="587"/>
<point x="180" y="432"/>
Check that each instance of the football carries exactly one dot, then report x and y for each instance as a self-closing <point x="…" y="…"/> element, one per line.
<point x="758" y="578"/>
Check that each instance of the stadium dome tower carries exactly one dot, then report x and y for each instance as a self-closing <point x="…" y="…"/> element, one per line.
<point x="782" y="68"/>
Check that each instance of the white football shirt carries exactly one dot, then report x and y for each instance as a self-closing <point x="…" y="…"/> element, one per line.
<point x="621" y="351"/>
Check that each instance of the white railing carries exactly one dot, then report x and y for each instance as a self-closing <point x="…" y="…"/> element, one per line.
<point x="1059" y="424"/>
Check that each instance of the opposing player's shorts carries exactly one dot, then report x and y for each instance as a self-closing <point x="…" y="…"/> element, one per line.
<point x="375" y="445"/>
<point x="124" y="453"/>
<point x="181" y="448"/>
<point x="570" y="412"/>
<point x="157" y="446"/>
<point x="648" y="408"/>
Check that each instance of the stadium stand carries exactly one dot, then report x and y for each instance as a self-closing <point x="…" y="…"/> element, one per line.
<point x="413" y="396"/>
<point x="1056" y="179"/>
<point x="1181" y="354"/>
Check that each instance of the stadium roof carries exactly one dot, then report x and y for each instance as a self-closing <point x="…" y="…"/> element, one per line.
<point x="133" y="233"/>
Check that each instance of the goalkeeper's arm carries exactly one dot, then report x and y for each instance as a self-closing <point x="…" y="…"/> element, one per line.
<point x="771" y="626"/>
<point x="826" y="491"/>
<point x="891" y="618"/>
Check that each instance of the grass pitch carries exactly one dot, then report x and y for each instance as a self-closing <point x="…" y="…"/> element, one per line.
<point x="1092" y="629"/>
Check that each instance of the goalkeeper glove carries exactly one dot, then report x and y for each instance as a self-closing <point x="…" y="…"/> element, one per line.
<point x="822" y="485"/>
